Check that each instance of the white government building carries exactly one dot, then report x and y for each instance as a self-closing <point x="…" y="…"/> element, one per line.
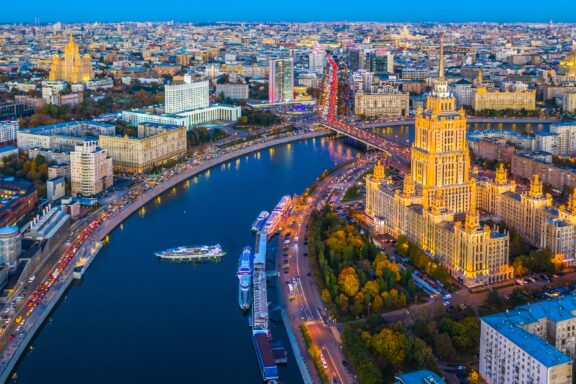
<point x="185" y="104"/>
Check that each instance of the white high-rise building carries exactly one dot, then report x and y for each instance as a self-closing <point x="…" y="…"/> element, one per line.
<point x="316" y="59"/>
<point x="566" y="139"/>
<point x="281" y="81"/>
<point x="8" y="131"/>
<point x="187" y="96"/>
<point x="90" y="169"/>
<point x="463" y="92"/>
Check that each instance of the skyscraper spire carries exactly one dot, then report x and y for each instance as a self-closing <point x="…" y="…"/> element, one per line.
<point x="441" y="64"/>
<point x="441" y="86"/>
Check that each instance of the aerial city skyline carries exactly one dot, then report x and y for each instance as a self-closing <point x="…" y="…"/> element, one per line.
<point x="327" y="201"/>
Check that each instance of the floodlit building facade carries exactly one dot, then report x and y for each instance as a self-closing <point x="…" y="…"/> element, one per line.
<point x="185" y="104"/>
<point x="531" y="214"/>
<point x="186" y="96"/>
<point x="388" y="105"/>
<point x="71" y="67"/>
<point x="499" y="100"/>
<point x="438" y="187"/>
<point x="154" y="145"/>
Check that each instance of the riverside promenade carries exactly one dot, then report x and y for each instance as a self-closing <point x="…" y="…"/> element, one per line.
<point x="16" y="347"/>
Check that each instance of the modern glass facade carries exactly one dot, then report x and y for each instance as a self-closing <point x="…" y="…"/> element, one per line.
<point x="281" y="87"/>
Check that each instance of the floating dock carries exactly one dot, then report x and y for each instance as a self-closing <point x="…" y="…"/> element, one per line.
<point x="260" y="319"/>
<point x="265" y="357"/>
<point x="260" y="315"/>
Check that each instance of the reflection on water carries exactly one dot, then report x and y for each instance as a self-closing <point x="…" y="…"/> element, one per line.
<point x="189" y="310"/>
<point x="404" y="134"/>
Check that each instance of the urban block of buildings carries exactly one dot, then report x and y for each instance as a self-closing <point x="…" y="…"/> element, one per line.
<point x="389" y="104"/>
<point x="62" y="136"/>
<point x="17" y="199"/>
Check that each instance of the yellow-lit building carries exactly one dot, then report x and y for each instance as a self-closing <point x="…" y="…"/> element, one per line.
<point x="388" y="105"/>
<point x="155" y="145"/>
<point x="568" y="65"/>
<point x="72" y="66"/>
<point x="439" y="186"/>
<point x="484" y="98"/>
<point x="532" y="215"/>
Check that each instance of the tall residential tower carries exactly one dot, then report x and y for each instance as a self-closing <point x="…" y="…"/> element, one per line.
<point x="281" y="81"/>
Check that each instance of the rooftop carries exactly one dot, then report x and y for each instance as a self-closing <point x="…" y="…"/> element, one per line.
<point x="422" y="376"/>
<point x="510" y="323"/>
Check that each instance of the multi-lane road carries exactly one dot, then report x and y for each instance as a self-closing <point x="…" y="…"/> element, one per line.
<point x="305" y="304"/>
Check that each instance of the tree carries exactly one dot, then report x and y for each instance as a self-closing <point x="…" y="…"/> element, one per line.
<point x="473" y="377"/>
<point x="371" y="287"/>
<point x="326" y="296"/>
<point x="377" y="304"/>
<point x="382" y="262"/>
<point x="423" y="356"/>
<point x="360" y="357"/>
<point x="348" y="281"/>
<point x="343" y="303"/>
<point x="443" y="346"/>
<point x="494" y="299"/>
<point x="390" y="345"/>
<point x="519" y="268"/>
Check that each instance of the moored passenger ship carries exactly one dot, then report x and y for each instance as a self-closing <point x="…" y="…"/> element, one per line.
<point x="279" y="212"/>
<point x="245" y="279"/>
<point x="192" y="252"/>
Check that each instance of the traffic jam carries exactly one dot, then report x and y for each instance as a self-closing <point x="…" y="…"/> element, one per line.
<point x="40" y="292"/>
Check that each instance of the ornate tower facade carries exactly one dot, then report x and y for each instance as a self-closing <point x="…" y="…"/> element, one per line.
<point x="440" y="159"/>
<point x="72" y="67"/>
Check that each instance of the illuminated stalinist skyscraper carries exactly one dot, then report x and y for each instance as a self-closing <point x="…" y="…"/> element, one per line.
<point x="71" y="67"/>
<point x="438" y="187"/>
<point x="440" y="158"/>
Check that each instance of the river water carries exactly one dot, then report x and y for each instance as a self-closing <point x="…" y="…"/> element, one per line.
<point x="404" y="134"/>
<point x="135" y="319"/>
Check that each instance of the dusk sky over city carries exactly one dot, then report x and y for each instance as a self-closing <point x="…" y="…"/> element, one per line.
<point x="298" y="10"/>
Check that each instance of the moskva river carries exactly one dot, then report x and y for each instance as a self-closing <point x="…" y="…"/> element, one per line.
<point x="136" y="319"/>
